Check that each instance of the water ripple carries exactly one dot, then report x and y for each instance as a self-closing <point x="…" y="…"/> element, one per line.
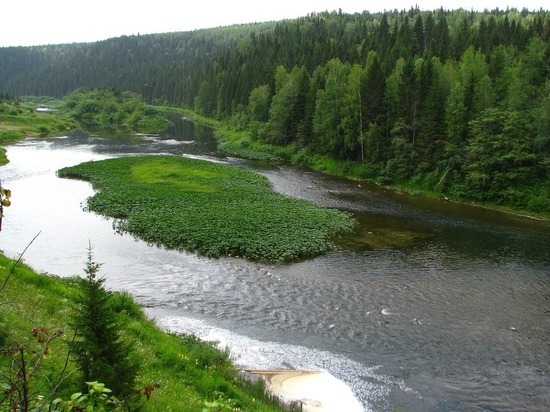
<point x="368" y="386"/>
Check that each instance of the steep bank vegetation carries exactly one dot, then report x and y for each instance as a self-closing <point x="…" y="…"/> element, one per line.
<point x="176" y="373"/>
<point x="209" y="208"/>
<point x="452" y="102"/>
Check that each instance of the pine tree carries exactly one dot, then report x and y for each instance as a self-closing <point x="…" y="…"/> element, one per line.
<point x="287" y="106"/>
<point x="418" y="42"/>
<point x="101" y="353"/>
<point x="374" y="110"/>
<point x="354" y="134"/>
<point x="383" y="37"/>
<point x="499" y="162"/>
<point x="432" y="133"/>
<point x="410" y="98"/>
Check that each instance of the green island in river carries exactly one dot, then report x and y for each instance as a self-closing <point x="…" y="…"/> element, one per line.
<point x="208" y="208"/>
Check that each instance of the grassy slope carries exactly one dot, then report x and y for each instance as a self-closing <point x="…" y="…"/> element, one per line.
<point x="192" y="375"/>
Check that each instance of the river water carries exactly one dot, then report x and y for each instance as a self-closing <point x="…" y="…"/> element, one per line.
<point x="430" y="306"/>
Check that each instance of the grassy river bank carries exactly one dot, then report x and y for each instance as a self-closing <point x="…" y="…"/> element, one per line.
<point x="185" y="373"/>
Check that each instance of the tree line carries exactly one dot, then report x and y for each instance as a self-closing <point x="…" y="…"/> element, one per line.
<point x="450" y="101"/>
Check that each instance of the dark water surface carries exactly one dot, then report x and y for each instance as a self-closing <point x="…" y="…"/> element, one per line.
<point x="430" y="306"/>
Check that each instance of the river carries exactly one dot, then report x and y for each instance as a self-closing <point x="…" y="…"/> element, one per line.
<point x="430" y="306"/>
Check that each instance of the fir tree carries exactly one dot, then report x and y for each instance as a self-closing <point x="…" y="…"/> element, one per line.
<point x="101" y="353"/>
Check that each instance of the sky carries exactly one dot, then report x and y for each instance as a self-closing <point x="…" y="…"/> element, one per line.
<point x="34" y="22"/>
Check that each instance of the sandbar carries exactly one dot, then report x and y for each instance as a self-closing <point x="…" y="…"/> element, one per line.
<point x="317" y="391"/>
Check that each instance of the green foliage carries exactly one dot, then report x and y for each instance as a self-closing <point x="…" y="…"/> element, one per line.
<point x="122" y="302"/>
<point x="21" y="364"/>
<point x="243" y="150"/>
<point x="27" y="379"/>
<point x="500" y="161"/>
<point x="286" y="112"/>
<point x="10" y="136"/>
<point x="327" y="126"/>
<point x="259" y="102"/>
<point x="208" y="208"/>
<point x="19" y="119"/>
<point x="100" y="351"/>
<point x="97" y="398"/>
<point x="107" y="109"/>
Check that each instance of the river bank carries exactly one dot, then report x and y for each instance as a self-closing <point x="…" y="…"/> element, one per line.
<point x="307" y="391"/>
<point x="239" y="143"/>
<point x="181" y="372"/>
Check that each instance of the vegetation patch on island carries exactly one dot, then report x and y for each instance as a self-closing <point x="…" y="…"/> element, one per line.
<point x="209" y="208"/>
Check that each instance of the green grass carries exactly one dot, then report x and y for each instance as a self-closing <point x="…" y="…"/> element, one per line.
<point x="237" y="143"/>
<point x="33" y="123"/>
<point x="208" y="208"/>
<point x="192" y="375"/>
<point x="19" y="120"/>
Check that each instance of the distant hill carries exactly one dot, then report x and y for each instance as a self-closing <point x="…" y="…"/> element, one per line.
<point x="158" y="66"/>
<point x="171" y="67"/>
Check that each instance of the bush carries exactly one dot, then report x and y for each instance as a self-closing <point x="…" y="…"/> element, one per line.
<point x="122" y="302"/>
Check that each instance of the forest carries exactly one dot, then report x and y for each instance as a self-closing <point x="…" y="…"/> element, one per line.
<point x="452" y="102"/>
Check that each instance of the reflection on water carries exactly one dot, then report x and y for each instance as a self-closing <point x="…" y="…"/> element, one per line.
<point x="431" y="306"/>
<point x="182" y="137"/>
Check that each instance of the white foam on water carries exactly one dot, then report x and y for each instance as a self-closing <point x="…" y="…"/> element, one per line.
<point x="174" y="142"/>
<point x="368" y="387"/>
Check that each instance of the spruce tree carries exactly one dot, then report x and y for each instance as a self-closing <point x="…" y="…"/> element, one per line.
<point x="101" y="353"/>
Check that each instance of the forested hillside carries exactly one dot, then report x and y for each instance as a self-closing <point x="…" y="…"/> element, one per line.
<point x="165" y="68"/>
<point x="455" y="102"/>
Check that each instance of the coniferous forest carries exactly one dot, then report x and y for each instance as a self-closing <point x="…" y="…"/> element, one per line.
<point x="454" y="102"/>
